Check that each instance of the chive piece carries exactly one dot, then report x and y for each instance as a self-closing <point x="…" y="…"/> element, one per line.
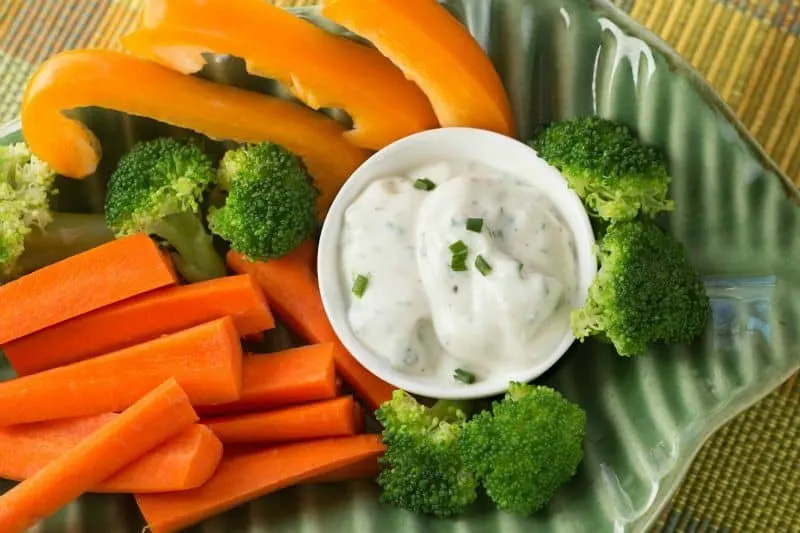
<point x="482" y="266"/>
<point x="463" y="376"/>
<point x="475" y="224"/>
<point x="458" y="264"/>
<point x="459" y="248"/>
<point x="458" y="261"/>
<point x="360" y="285"/>
<point x="424" y="184"/>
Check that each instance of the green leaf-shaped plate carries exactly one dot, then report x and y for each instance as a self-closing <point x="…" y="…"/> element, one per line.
<point x="647" y="416"/>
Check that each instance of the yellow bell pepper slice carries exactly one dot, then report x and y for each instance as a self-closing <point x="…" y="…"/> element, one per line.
<point x="118" y="81"/>
<point x="321" y="69"/>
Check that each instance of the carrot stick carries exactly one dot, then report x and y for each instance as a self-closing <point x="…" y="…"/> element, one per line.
<point x="185" y="461"/>
<point x="93" y="279"/>
<point x="292" y="290"/>
<point x="205" y="360"/>
<point x="330" y="418"/>
<point x="368" y="468"/>
<point x="290" y="377"/>
<point x="247" y="476"/>
<point x="154" y="419"/>
<point x="141" y="319"/>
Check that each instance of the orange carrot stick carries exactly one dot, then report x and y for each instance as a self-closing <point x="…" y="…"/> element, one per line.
<point x="160" y="415"/>
<point x="247" y="476"/>
<point x="321" y="69"/>
<point x="205" y="360"/>
<point x="292" y="290"/>
<point x="294" y="376"/>
<point x="82" y="283"/>
<point x="119" y="81"/>
<point x="141" y="319"/>
<point x="369" y="468"/>
<point x="435" y="51"/>
<point x="185" y="461"/>
<point x="330" y="418"/>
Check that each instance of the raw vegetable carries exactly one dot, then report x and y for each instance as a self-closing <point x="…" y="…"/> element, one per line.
<point x="436" y="52"/>
<point x="524" y="449"/>
<point x="322" y="70"/>
<point x="270" y="202"/>
<point x="645" y="292"/>
<point x="615" y="175"/>
<point x="292" y="292"/>
<point x="185" y="461"/>
<point x="422" y="470"/>
<point x="329" y="418"/>
<point x="115" y="80"/>
<point x="205" y="360"/>
<point x="31" y="235"/>
<point x="82" y="283"/>
<point x="247" y="476"/>
<point x="157" y="189"/>
<point x="291" y="288"/>
<point x="157" y="417"/>
<point x="142" y="319"/>
<point x="293" y="376"/>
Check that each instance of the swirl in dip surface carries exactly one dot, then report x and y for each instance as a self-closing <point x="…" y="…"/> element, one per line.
<point x="424" y="316"/>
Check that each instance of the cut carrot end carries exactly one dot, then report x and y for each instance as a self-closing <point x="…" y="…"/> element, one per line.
<point x="102" y="276"/>
<point x="247" y="476"/>
<point x="330" y="418"/>
<point x="140" y="319"/>
<point x="157" y="417"/>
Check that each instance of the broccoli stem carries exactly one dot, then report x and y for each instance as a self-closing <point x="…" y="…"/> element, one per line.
<point x="66" y="235"/>
<point x="196" y="260"/>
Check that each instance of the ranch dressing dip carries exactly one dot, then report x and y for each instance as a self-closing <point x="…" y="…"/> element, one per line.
<point x="424" y="316"/>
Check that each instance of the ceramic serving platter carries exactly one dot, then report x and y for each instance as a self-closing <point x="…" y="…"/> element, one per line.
<point x="647" y="416"/>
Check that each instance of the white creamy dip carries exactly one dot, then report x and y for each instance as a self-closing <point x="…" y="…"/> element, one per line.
<point x="426" y="318"/>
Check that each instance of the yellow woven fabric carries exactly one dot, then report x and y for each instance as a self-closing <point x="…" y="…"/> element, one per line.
<point x="747" y="478"/>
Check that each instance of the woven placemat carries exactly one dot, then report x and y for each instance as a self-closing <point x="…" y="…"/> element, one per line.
<point x="747" y="478"/>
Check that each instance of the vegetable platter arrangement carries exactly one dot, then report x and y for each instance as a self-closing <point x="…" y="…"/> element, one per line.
<point x="137" y="335"/>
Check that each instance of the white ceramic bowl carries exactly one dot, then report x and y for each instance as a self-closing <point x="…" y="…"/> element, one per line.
<point x="465" y="144"/>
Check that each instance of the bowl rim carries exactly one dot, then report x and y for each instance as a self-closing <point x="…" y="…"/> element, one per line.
<point x="466" y="144"/>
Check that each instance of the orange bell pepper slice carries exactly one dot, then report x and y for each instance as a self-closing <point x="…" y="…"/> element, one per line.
<point x="113" y="80"/>
<point x="321" y="69"/>
<point x="437" y="52"/>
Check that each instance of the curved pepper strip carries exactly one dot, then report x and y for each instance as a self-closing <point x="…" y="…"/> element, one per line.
<point x="320" y="69"/>
<point x="113" y="80"/>
<point x="437" y="52"/>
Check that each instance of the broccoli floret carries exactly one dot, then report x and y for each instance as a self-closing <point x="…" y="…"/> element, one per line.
<point x="31" y="235"/>
<point x="526" y="447"/>
<point x="157" y="189"/>
<point x="422" y="470"/>
<point x="646" y="291"/>
<point x="615" y="175"/>
<point x="270" y="207"/>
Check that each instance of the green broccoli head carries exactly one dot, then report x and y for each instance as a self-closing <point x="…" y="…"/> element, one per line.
<point x="270" y="207"/>
<point x="646" y="291"/>
<point x="26" y="185"/>
<point x="526" y="447"/>
<point x="422" y="470"/>
<point x="615" y="175"/>
<point x="157" y="189"/>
